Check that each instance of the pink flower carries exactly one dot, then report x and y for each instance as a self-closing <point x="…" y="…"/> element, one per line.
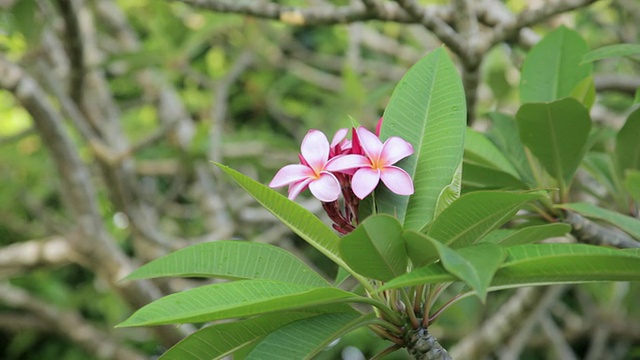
<point x="315" y="168"/>
<point x="377" y="164"/>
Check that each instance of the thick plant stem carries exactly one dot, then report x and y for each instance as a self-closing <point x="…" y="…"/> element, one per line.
<point x="424" y="346"/>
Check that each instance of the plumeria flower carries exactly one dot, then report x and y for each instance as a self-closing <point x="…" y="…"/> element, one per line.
<point x="377" y="164"/>
<point x="315" y="169"/>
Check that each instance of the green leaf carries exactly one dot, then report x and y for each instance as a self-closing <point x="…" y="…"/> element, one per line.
<point x="475" y="214"/>
<point x="628" y="143"/>
<point x="632" y="184"/>
<point x="231" y="260"/>
<point x="601" y="167"/>
<point x="375" y="248"/>
<point x="504" y="134"/>
<point x="539" y="264"/>
<point x="305" y="338"/>
<point x="300" y="220"/>
<point x="585" y="92"/>
<point x="480" y="150"/>
<point x="543" y="264"/>
<point x="474" y="265"/>
<point x="556" y="133"/>
<point x="428" y="110"/>
<point x="552" y="68"/>
<point x="627" y="223"/>
<point x="482" y="177"/>
<point x="233" y="300"/>
<point x="420" y="249"/>
<point x="531" y="234"/>
<point x="617" y="50"/>
<point x="450" y="192"/>
<point x="219" y="340"/>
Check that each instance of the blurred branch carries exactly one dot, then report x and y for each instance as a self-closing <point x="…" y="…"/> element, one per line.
<point x="509" y="28"/>
<point x="69" y="324"/>
<point x="627" y="84"/>
<point x="78" y="194"/>
<point x="439" y="27"/>
<point x="23" y="256"/>
<point x="519" y="312"/>
<point x="317" y="15"/>
<point x="587" y="231"/>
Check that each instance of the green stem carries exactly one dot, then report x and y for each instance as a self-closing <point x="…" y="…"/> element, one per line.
<point x="384" y="309"/>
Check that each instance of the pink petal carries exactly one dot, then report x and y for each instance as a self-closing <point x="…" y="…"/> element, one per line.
<point x="397" y="180"/>
<point x="370" y="143"/>
<point x="394" y="150"/>
<point x="326" y="188"/>
<point x="346" y="162"/>
<point x="364" y="181"/>
<point x="290" y="174"/>
<point x="315" y="149"/>
<point x="296" y="188"/>
<point x="339" y="136"/>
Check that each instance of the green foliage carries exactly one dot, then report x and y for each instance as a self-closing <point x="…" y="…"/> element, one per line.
<point x="375" y="249"/>
<point x="475" y="214"/>
<point x="233" y="300"/>
<point x="624" y="222"/>
<point x="541" y="264"/>
<point x="552" y="69"/>
<point x="556" y="133"/>
<point x="617" y="50"/>
<point x="627" y="144"/>
<point x="428" y="110"/>
<point x="235" y="260"/>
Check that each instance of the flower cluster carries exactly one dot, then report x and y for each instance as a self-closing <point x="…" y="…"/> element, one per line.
<point x="353" y="168"/>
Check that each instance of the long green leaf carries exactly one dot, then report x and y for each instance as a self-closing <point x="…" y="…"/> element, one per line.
<point x="632" y="184"/>
<point x="375" y="248"/>
<point x="552" y="68"/>
<point x="475" y="214"/>
<point x="482" y="177"/>
<point x="305" y="338"/>
<point x="624" y="222"/>
<point x="428" y="110"/>
<point x="420" y="250"/>
<point x="231" y="260"/>
<point x="556" y="133"/>
<point x="628" y="143"/>
<point x="617" y="50"/>
<point x="543" y="264"/>
<point x="220" y="340"/>
<point x="504" y="134"/>
<point x="565" y="263"/>
<point x="233" y="300"/>
<point x="478" y="149"/>
<point x="531" y="234"/>
<point x="297" y="218"/>
<point x="474" y="265"/>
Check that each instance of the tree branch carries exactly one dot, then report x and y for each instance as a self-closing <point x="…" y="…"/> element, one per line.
<point x="92" y="240"/>
<point x="587" y="231"/>
<point x="317" y="15"/>
<point x="70" y="325"/>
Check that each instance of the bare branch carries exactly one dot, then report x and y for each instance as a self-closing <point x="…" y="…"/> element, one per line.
<point x="318" y="15"/>
<point x="92" y="240"/>
<point x="587" y="231"/>
<point x="53" y="251"/>
<point x="522" y="308"/>
<point x="440" y="28"/>
<point x="530" y="16"/>
<point x="69" y="324"/>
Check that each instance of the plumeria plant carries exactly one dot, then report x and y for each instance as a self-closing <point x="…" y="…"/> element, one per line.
<point x="402" y="226"/>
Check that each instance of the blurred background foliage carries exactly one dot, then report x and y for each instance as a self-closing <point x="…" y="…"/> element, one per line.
<point x="246" y="91"/>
